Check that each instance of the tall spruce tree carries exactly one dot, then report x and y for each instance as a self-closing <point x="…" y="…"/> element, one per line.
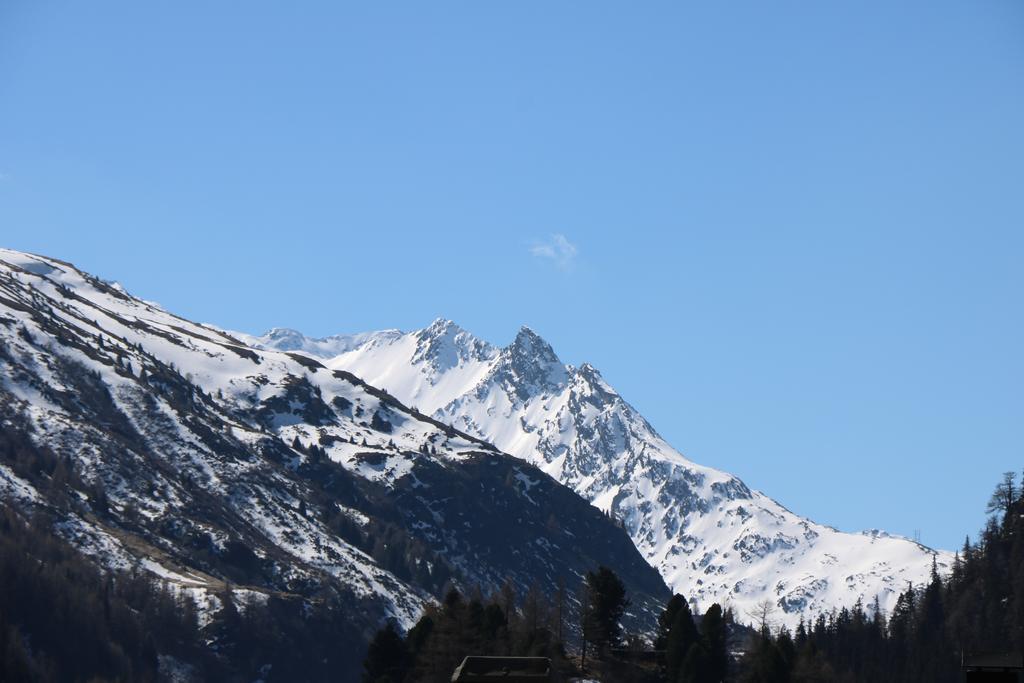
<point x="666" y="618"/>
<point x="714" y="636"/>
<point x="606" y="602"/>
<point x="682" y="636"/>
<point x="387" y="660"/>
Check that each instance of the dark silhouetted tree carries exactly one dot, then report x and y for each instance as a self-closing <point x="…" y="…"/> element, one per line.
<point x="387" y="660"/>
<point x="606" y="602"/>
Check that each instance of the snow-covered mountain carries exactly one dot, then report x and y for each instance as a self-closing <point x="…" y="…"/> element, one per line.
<point x="711" y="537"/>
<point x="175" y="448"/>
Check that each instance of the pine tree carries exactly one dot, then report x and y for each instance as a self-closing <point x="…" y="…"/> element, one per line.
<point x="606" y="602"/>
<point x="714" y="637"/>
<point x="387" y="660"/>
<point x="697" y="666"/>
<point x="764" y="663"/>
<point x="681" y="636"/>
<point x="666" y="618"/>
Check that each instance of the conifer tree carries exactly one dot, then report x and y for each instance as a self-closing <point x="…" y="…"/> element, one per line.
<point x="665" y="620"/>
<point x="386" y="658"/>
<point x="606" y="602"/>
<point x="682" y="635"/>
<point x="714" y="637"/>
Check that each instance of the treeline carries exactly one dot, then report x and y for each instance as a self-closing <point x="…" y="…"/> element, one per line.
<point x="978" y="607"/>
<point x="693" y="655"/>
<point x="460" y="626"/>
<point x="500" y="625"/>
<point x="539" y="626"/>
<point x="63" y="619"/>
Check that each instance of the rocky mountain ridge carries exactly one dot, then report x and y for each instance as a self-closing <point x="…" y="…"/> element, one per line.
<point x="710" y="536"/>
<point x="176" y="449"/>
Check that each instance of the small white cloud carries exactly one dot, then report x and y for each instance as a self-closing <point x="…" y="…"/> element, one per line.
<point x="559" y="250"/>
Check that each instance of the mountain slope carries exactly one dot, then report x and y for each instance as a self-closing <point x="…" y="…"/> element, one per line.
<point x="176" y="449"/>
<point x="710" y="536"/>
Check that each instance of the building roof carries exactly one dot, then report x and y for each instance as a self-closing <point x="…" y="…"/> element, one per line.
<point x="1011" y="661"/>
<point x="508" y="669"/>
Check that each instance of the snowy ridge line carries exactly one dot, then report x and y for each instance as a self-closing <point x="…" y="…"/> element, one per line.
<point x="267" y="468"/>
<point x="710" y="536"/>
<point x="388" y="399"/>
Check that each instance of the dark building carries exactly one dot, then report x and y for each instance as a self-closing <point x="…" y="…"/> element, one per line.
<point x="510" y="669"/>
<point x="993" y="667"/>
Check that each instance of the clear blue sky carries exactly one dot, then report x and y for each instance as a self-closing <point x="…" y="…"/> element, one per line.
<point x="791" y="233"/>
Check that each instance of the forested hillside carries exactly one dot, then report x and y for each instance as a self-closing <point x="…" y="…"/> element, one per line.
<point x="978" y="607"/>
<point x="64" y="619"/>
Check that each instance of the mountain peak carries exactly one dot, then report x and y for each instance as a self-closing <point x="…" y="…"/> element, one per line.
<point x="707" y="532"/>
<point x="528" y="344"/>
<point x="529" y="366"/>
<point x="446" y="345"/>
<point x="592" y="378"/>
<point x="440" y="327"/>
<point x="283" y="333"/>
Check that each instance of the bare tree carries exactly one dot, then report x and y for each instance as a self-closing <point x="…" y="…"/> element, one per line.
<point x="761" y="613"/>
<point x="560" y="597"/>
<point x="1004" y="495"/>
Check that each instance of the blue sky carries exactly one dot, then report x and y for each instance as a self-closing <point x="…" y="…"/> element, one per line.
<point x="790" y="233"/>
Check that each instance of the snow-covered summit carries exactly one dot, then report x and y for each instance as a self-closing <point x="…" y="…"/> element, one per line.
<point x="528" y="367"/>
<point x="711" y="537"/>
<point x="444" y="345"/>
